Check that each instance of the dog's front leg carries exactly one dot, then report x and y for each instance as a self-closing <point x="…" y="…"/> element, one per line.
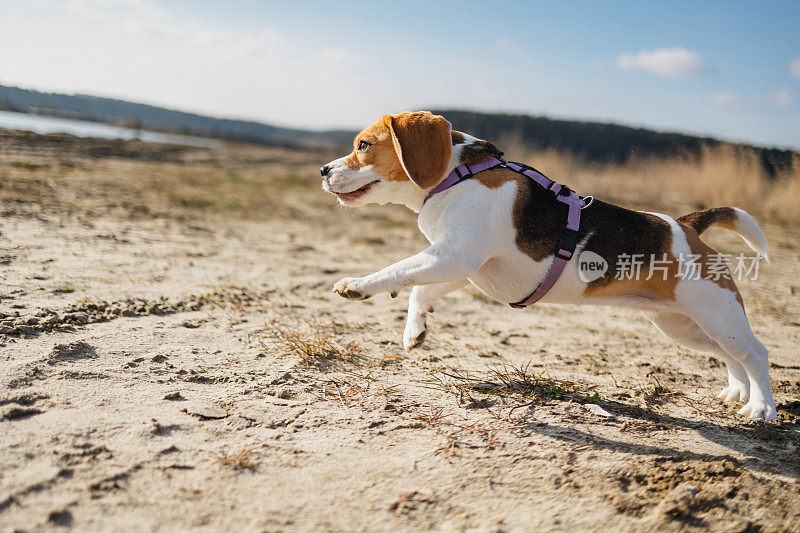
<point x="442" y="262"/>
<point x="419" y="305"/>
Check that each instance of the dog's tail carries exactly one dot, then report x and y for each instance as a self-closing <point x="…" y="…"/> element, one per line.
<point x="730" y="218"/>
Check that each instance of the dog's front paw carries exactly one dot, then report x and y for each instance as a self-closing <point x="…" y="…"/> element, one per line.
<point x="414" y="334"/>
<point x="352" y="289"/>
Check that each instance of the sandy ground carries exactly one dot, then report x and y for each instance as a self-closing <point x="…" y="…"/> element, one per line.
<point x="172" y="358"/>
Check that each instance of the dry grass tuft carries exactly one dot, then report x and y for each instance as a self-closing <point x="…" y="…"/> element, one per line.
<point x="653" y="393"/>
<point x="313" y="343"/>
<point x="238" y="457"/>
<point x="434" y="417"/>
<point x="510" y="381"/>
<point x="352" y="389"/>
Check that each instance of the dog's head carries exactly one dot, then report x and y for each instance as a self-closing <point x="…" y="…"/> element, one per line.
<point x="393" y="160"/>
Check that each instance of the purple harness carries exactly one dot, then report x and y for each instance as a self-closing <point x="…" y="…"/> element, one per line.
<point x="569" y="240"/>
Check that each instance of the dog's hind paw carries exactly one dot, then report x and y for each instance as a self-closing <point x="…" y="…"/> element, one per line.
<point x="736" y="392"/>
<point x="759" y="410"/>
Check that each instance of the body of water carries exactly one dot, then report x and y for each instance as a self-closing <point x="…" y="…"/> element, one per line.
<point x="83" y="128"/>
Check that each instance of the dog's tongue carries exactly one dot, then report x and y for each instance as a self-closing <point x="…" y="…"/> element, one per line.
<point x="356" y="193"/>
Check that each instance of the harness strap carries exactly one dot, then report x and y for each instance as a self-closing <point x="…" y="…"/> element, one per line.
<point x="569" y="239"/>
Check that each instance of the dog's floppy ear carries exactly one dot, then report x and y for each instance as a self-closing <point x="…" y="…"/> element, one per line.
<point x="423" y="145"/>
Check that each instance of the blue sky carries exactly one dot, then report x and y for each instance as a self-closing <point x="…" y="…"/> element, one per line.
<point x="726" y="69"/>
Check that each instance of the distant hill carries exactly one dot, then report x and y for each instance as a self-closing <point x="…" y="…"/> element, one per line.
<point x="604" y="143"/>
<point x="121" y="112"/>
<point x="591" y="141"/>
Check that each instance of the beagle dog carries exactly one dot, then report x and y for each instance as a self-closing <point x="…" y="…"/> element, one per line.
<point x="499" y="231"/>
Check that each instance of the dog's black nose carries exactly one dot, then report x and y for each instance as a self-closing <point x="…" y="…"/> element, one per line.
<point x="324" y="170"/>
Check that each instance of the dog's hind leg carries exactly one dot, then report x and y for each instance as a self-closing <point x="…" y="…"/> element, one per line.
<point x="685" y="331"/>
<point x="720" y="315"/>
<point x="419" y="305"/>
<point x="732" y="332"/>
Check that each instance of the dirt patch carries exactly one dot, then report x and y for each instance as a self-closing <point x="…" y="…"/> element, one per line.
<point x="702" y="493"/>
<point x="92" y="312"/>
<point x="70" y="352"/>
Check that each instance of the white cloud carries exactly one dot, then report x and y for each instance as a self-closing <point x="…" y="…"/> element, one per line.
<point x="726" y="100"/>
<point x="664" y="62"/>
<point x="794" y="67"/>
<point x="783" y="98"/>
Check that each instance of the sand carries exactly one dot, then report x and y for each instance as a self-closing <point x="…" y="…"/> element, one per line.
<point x="172" y="358"/>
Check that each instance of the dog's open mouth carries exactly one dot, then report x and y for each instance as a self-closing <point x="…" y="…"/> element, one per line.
<point x="356" y="194"/>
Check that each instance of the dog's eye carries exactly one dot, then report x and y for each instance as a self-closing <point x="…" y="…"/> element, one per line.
<point x="363" y="145"/>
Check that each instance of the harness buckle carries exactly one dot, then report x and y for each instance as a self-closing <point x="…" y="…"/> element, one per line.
<point x="567" y="244"/>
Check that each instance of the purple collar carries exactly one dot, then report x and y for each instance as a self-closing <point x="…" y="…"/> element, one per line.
<point x="462" y="172"/>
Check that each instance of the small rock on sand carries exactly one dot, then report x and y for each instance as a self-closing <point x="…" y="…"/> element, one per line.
<point x="174" y="396"/>
<point x="599" y="411"/>
<point x="206" y="411"/>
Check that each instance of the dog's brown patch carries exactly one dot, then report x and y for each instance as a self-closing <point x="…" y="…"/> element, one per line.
<point x="723" y="217"/>
<point x="497" y="177"/>
<point x="477" y="152"/>
<point x="618" y="232"/>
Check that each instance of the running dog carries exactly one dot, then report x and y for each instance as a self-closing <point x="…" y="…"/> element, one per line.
<point x="491" y="225"/>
